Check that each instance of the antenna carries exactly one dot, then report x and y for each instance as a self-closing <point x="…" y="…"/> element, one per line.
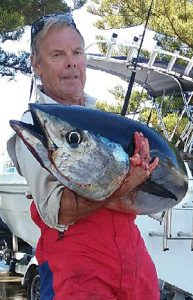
<point x="132" y="78"/>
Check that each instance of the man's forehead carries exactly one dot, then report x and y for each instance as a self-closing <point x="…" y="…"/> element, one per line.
<point x="65" y="48"/>
<point x="64" y="36"/>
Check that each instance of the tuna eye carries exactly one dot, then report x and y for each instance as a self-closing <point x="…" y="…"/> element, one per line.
<point x="74" y="137"/>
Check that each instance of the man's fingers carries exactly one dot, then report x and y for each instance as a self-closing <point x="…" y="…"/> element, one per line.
<point x="141" y="157"/>
<point x="141" y="154"/>
<point x="137" y="142"/>
<point x="141" y="145"/>
<point x="145" y="150"/>
<point x="154" y="164"/>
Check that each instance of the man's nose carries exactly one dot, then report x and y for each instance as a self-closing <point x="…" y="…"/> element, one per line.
<point x="70" y="65"/>
<point x="71" y="61"/>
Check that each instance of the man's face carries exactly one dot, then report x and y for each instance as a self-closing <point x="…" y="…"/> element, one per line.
<point x="60" y="64"/>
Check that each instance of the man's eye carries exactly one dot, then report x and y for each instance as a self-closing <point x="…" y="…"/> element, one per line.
<point x="57" y="55"/>
<point x="78" y="52"/>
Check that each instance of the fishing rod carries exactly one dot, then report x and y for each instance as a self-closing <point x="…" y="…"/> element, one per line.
<point x="132" y="77"/>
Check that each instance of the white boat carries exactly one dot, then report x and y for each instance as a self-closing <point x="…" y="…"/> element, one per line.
<point x="14" y="205"/>
<point x="170" y="243"/>
<point x="169" y="238"/>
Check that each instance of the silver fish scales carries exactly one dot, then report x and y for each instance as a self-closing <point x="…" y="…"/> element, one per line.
<point x="89" y="152"/>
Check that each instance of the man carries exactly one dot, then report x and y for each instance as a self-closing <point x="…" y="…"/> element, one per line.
<point x="87" y="250"/>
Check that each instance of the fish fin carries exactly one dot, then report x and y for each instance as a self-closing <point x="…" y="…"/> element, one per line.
<point x="156" y="189"/>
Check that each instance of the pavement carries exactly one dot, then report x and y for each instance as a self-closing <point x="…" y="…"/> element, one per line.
<point x="10" y="286"/>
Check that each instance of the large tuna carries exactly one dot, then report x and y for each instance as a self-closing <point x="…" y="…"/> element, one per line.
<point x="88" y="151"/>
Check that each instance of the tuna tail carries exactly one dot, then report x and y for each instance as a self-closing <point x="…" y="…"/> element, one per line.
<point x="153" y="188"/>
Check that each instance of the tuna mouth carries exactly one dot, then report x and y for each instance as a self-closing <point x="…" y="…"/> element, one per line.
<point x="35" y="130"/>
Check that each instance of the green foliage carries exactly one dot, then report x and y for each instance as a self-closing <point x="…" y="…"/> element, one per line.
<point x="102" y="46"/>
<point x="79" y="3"/>
<point x="170" y="17"/>
<point x="8" y="20"/>
<point x="170" y="104"/>
<point x="170" y="118"/>
<point x="14" y="15"/>
<point x="102" y="105"/>
<point x="17" y="13"/>
<point x="136" y="101"/>
<point x="149" y="116"/>
<point x="174" y="127"/>
<point x="118" y="93"/>
<point x="118" y="50"/>
<point x="172" y="43"/>
<point x="10" y="63"/>
<point x="92" y="10"/>
<point x="142" y="107"/>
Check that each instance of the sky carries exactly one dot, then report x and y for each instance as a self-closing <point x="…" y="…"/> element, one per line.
<point x="15" y="93"/>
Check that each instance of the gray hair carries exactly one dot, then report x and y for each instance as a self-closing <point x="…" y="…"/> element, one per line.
<point x="49" y="24"/>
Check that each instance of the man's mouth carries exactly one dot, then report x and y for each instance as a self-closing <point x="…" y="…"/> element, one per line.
<point x="70" y="77"/>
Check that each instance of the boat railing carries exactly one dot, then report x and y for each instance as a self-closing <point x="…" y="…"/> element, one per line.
<point x="170" y="219"/>
<point x="167" y="233"/>
<point x="149" y="62"/>
<point x="117" y="65"/>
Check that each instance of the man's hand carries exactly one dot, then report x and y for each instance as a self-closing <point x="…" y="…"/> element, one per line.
<point x="141" y="158"/>
<point x="140" y="170"/>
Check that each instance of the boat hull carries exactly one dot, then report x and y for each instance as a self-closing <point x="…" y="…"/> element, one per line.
<point x="15" y="208"/>
<point x="171" y="244"/>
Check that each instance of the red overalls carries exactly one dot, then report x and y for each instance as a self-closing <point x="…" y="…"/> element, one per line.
<point x="101" y="257"/>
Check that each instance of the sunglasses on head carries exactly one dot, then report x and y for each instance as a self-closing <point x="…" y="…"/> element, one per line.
<point x="39" y="24"/>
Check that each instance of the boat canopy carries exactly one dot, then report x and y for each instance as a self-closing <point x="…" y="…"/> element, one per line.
<point x="157" y="78"/>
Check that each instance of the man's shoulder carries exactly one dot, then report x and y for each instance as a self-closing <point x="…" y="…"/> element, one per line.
<point x="90" y="101"/>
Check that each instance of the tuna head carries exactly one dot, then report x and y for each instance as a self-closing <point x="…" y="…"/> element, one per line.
<point x="88" y="151"/>
<point x="87" y="163"/>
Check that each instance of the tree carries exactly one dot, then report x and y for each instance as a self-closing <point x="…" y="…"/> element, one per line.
<point x="173" y="18"/>
<point x="19" y="13"/>
<point x="136" y="104"/>
<point x="14" y="16"/>
<point x="78" y="3"/>
<point x="10" y="63"/>
<point x="143" y="109"/>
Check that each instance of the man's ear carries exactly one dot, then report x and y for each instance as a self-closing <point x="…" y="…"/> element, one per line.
<point x="35" y="65"/>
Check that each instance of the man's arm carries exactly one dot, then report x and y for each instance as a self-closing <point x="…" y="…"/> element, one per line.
<point x="73" y="207"/>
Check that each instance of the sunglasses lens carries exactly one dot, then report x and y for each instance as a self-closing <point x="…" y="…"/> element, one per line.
<point x="39" y="24"/>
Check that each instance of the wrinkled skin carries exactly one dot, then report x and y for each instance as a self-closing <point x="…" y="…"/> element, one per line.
<point x="60" y="64"/>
